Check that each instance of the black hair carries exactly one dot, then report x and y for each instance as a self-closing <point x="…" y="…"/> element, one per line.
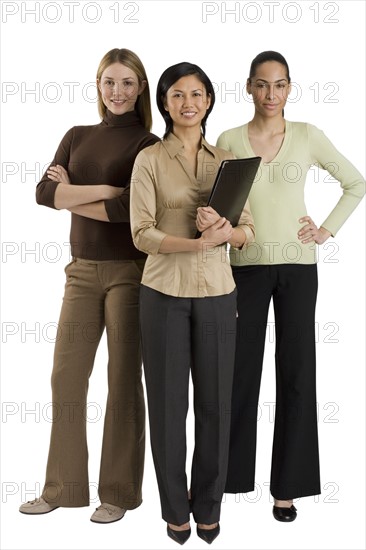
<point x="263" y="57"/>
<point x="168" y="78"/>
<point x="268" y="56"/>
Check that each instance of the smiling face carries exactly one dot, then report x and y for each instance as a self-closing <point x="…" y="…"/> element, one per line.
<point x="119" y="87"/>
<point x="270" y="88"/>
<point x="187" y="102"/>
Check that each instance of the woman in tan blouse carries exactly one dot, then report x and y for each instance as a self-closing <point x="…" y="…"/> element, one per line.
<point x="187" y="302"/>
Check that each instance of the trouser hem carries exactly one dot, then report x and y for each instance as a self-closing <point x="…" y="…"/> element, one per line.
<point x="234" y="490"/>
<point x="293" y="496"/>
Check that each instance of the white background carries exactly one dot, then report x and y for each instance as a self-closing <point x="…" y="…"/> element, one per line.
<point x="324" y="45"/>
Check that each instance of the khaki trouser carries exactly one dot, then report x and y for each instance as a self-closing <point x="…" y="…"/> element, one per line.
<point x="98" y="294"/>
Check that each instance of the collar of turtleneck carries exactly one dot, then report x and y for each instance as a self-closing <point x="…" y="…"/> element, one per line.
<point x="130" y="118"/>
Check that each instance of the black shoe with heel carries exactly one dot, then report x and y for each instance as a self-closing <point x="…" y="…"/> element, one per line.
<point x="178" y="536"/>
<point x="209" y="535"/>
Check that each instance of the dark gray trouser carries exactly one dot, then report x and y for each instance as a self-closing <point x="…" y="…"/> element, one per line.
<point x="179" y="336"/>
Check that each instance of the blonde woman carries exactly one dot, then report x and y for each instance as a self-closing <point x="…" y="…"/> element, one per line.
<point x="90" y="177"/>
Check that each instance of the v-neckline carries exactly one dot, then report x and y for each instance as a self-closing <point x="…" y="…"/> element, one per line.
<point x="280" y="151"/>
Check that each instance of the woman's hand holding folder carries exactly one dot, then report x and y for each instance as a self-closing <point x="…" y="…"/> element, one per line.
<point x="218" y="233"/>
<point x="206" y="216"/>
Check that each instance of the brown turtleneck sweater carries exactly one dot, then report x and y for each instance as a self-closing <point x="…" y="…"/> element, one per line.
<point x="95" y="155"/>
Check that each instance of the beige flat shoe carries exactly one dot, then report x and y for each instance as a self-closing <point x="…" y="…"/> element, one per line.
<point x="37" y="506"/>
<point x="107" y="513"/>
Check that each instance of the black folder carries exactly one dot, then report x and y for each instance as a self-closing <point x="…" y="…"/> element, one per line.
<point x="232" y="186"/>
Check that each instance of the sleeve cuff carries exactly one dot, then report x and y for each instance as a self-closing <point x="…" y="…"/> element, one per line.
<point x="149" y="240"/>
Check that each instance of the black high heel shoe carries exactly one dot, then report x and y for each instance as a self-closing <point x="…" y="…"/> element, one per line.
<point x="209" y="535"/>
<point x="178" y="536"/>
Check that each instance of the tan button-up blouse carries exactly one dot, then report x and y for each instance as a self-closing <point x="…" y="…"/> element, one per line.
<point x="165" y="195"/>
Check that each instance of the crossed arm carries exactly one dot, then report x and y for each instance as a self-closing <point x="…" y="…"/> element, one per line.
<point x="84" y="200"/>
<point x="88" y="201"/>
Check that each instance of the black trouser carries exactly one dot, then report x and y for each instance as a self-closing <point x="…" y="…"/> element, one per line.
<point x="295" y="456"/>
<point x="180" y="335"/>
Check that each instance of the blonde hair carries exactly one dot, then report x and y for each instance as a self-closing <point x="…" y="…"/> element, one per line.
<point x="133" y="62"/>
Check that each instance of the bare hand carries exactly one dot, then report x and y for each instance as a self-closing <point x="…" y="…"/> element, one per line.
<point x="311" y="233"/>
<point x="59" y="174"/>
<point x="206" y="216"/>
<point x="218" y="233"/>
